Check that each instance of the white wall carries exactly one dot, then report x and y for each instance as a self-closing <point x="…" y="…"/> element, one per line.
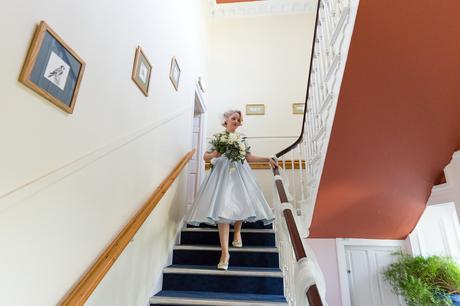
<point x="448" y="192"/>
<point x="69" y="183"/>
<point x="259" y="60"/>
<point x="326" y="254"/>
<point x="437" y="232"/>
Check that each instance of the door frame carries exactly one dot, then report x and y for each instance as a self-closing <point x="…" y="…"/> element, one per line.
<point x="341" y="243"/>
<point x="202" y="110"/>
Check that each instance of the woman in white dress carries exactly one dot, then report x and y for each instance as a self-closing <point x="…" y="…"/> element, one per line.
<point x="230" y="193"/>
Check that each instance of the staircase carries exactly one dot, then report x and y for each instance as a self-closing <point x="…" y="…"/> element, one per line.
<point x="253" y="277"/>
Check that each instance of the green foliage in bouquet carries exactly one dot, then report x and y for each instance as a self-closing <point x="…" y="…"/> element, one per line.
<point x="424" y="281"/>
<point x="230" y="145"/>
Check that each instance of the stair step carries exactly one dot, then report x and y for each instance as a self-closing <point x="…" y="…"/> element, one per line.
<point x="232" y="271"/>
<point x="203" y="255"/>
<point x="172" y="297"/>
<point x="208" y="236"/>
<point x="255" y="225"/>
<point x="209" y="279"/>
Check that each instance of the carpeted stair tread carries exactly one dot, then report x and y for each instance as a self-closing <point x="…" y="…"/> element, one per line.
<point x="209" y="255"/>
<point x="269" y="249"/>
<point x="214" y="298"/>
<point x="251" y="237"/>
<point x="230" y="268"/>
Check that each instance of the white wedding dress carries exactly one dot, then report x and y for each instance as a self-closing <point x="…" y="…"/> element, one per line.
<point x="229" y="193"/>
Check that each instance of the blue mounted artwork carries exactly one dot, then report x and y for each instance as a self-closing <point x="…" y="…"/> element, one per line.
<point x="53" y="69"/>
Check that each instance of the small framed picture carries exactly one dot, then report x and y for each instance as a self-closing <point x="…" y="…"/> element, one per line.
<point x="255" y="109"/>
<point x="174" y="73"/>
<point x="52" y="69"/>
<point x="298" y="108"/>
<point x="142" y="69"/>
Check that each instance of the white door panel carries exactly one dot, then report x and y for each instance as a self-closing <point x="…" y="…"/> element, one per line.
<point x="437" y="232"/>
<point x="366" y="283"/>
<point x="358" y="272"/>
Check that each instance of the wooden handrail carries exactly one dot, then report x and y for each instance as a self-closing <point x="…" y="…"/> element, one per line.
<point x="292" y="146"/>
<point x="85" y="286"/>
<point x="313" y="296"/>
<point x="266" y="166"/>
<point x="290" y="222"/>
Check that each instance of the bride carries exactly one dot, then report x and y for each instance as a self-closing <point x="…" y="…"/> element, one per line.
<point x="230" y="193"/>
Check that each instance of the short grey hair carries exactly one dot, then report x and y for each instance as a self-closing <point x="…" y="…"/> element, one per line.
<point x="228" y="114"/>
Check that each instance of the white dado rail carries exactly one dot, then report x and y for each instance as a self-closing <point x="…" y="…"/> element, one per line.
<point x="333" y="36"/>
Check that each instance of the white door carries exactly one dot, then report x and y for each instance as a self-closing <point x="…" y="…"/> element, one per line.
<point x="366" y="284"/>
<point x="193" y="166"/>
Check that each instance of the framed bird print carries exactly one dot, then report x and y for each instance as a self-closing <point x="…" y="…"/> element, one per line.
<point x="52" y="69"/>
<point x="142" y="70"/>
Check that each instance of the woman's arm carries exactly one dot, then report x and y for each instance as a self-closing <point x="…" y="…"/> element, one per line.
<point x="259" y="159"/>
<point x="208" y="156"/>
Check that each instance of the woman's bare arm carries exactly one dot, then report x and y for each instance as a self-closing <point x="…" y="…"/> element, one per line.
<point x="208" y="156"/>
<point x="259" y="159"/>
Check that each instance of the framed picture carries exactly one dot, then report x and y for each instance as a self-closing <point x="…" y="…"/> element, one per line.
<point x="52" y="69"/>
<point x="142" y="69"/>
<point x="174" y="73"/>
<point x="255" y="109"/>
<point x="298" y="108"/>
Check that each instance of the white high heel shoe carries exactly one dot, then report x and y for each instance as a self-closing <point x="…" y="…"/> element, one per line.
<point x="237" y="243"/>
<point x="222" y="266"/>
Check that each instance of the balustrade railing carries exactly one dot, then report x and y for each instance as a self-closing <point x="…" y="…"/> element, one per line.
<point x="332" y="35"/>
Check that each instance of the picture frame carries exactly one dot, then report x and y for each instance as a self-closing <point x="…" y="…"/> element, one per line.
<point x="52" y="69"/>
<point x="255" y="109"/>
<point x="174" y="73"/>
<point x="142" y="71"/>
<point x="298" y="108"/>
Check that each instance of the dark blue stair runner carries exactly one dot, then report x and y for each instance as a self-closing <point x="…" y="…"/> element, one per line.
<point x="253" y="277"/>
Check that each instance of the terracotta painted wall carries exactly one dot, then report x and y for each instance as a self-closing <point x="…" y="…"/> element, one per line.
<point x="397" y="122"/>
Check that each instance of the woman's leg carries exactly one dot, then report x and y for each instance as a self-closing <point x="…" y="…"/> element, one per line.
<point x="237" y="231"/>
<point x="224" y="229"/>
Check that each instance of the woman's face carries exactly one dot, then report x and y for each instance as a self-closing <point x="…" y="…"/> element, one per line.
<point x="233" y="122"/>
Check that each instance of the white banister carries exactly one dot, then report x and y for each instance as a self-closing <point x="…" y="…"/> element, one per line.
<point x="336" y="20"/>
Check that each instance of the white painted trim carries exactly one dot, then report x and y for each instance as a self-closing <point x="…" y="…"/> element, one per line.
<point x="214" y="271"/>
<point x="261" y="8"/>
<point x="342" y="262"/>
<point x="214" y="230"/>
<point x="214" y="302"/>
<point x="201" y="99"/>
<point x="202" y="140"/>
<point x="36" y="185"/>
<point x="216" y="248"/>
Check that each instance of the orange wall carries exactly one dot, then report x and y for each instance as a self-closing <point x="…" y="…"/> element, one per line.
<point x="397" y="122"/>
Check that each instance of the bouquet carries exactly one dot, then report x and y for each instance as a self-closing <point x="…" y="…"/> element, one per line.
<point x="231" y="145"/>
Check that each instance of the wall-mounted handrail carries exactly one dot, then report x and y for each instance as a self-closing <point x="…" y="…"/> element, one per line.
<point x="313" y="46"/>
<point x="86" y="285"/>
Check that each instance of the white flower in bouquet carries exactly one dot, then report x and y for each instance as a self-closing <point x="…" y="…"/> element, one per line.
<point x="230" y="145"/>
<point x="233" y="137"/>
<point x="224" y="138"/>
